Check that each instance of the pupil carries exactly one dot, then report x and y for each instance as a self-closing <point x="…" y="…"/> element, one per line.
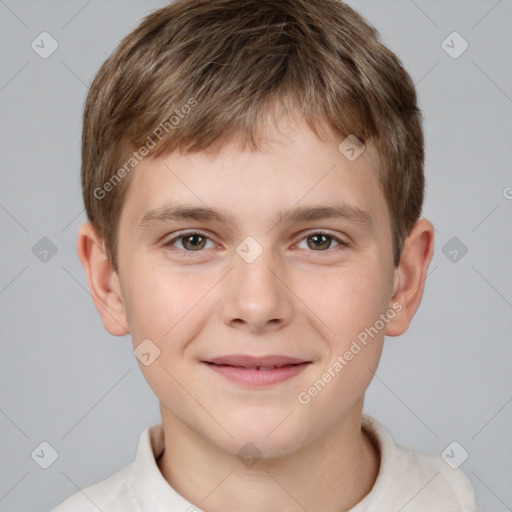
<point x="322" y="238"/>
<point x="190" y="239"/>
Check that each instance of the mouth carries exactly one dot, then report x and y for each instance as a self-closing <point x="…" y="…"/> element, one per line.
<point x="257" y="371"/>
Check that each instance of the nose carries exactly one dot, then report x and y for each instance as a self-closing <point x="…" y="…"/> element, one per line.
<point x="256" y="296"/>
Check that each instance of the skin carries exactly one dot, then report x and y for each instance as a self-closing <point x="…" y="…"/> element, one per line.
<point x="294" y="299"/>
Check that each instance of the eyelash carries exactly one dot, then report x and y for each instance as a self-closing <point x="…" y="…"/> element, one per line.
<point x="183" y="234"/>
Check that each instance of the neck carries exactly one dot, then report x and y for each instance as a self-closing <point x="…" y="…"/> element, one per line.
<point x="331" y="474"/>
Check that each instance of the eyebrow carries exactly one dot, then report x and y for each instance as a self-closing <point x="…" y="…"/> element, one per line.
<point x="297" y="214"/>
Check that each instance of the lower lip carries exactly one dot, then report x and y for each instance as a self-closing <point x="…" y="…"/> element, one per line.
<point x="258" y="378"/>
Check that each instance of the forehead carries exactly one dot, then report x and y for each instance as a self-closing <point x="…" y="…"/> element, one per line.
<point x="293" y="169"/>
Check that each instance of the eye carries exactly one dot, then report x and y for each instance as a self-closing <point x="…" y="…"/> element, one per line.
<point x="320" y="241"/>
<point x="192" y="241"/>
<point x="196" y="241"/>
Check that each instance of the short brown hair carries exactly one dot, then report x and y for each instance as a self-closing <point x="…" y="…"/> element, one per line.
<point x="206" y="70"/>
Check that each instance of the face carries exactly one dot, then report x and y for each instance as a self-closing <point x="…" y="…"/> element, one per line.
<point x="282" y="256"/>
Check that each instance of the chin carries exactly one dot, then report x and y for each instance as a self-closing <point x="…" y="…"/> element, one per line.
<point x="272" y="436"/>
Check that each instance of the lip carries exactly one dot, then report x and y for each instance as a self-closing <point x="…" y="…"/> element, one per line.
<point x="246" y="370"/>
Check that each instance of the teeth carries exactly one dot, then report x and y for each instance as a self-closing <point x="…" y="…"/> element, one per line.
<point x="263" y="368"/>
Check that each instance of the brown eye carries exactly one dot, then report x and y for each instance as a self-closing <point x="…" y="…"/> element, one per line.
<point x="321" y="242"/>
<point x="190" y="242"/>
<point x="193" y="242"/>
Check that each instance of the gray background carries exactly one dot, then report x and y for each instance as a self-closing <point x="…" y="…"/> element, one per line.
<point x="65" y="380"/>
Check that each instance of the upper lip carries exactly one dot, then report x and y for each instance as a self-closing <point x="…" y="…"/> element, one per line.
<point x="245" y="361"/>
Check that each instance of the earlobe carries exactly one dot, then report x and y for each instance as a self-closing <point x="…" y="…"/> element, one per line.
<point x="410" y="276"/>
<point x="103" y="281"/>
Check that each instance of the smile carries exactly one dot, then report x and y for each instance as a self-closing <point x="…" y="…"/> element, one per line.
<point x="257" y="372"/>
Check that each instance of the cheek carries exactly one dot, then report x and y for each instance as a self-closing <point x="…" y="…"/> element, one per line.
<point x="351" y="307"/>
<point x="166" y="308"/>
<point x="161" y="302"/>
<point x="348" y="301"/>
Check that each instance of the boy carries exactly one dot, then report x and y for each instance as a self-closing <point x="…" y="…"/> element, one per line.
<point x="252" y="172"/>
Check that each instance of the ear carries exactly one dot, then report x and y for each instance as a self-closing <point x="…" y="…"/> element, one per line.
<point x="410" y="276"/>
<point x="103" y="281"/>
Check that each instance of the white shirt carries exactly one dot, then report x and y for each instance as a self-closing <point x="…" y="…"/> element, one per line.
<point x="408" y="480"/>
